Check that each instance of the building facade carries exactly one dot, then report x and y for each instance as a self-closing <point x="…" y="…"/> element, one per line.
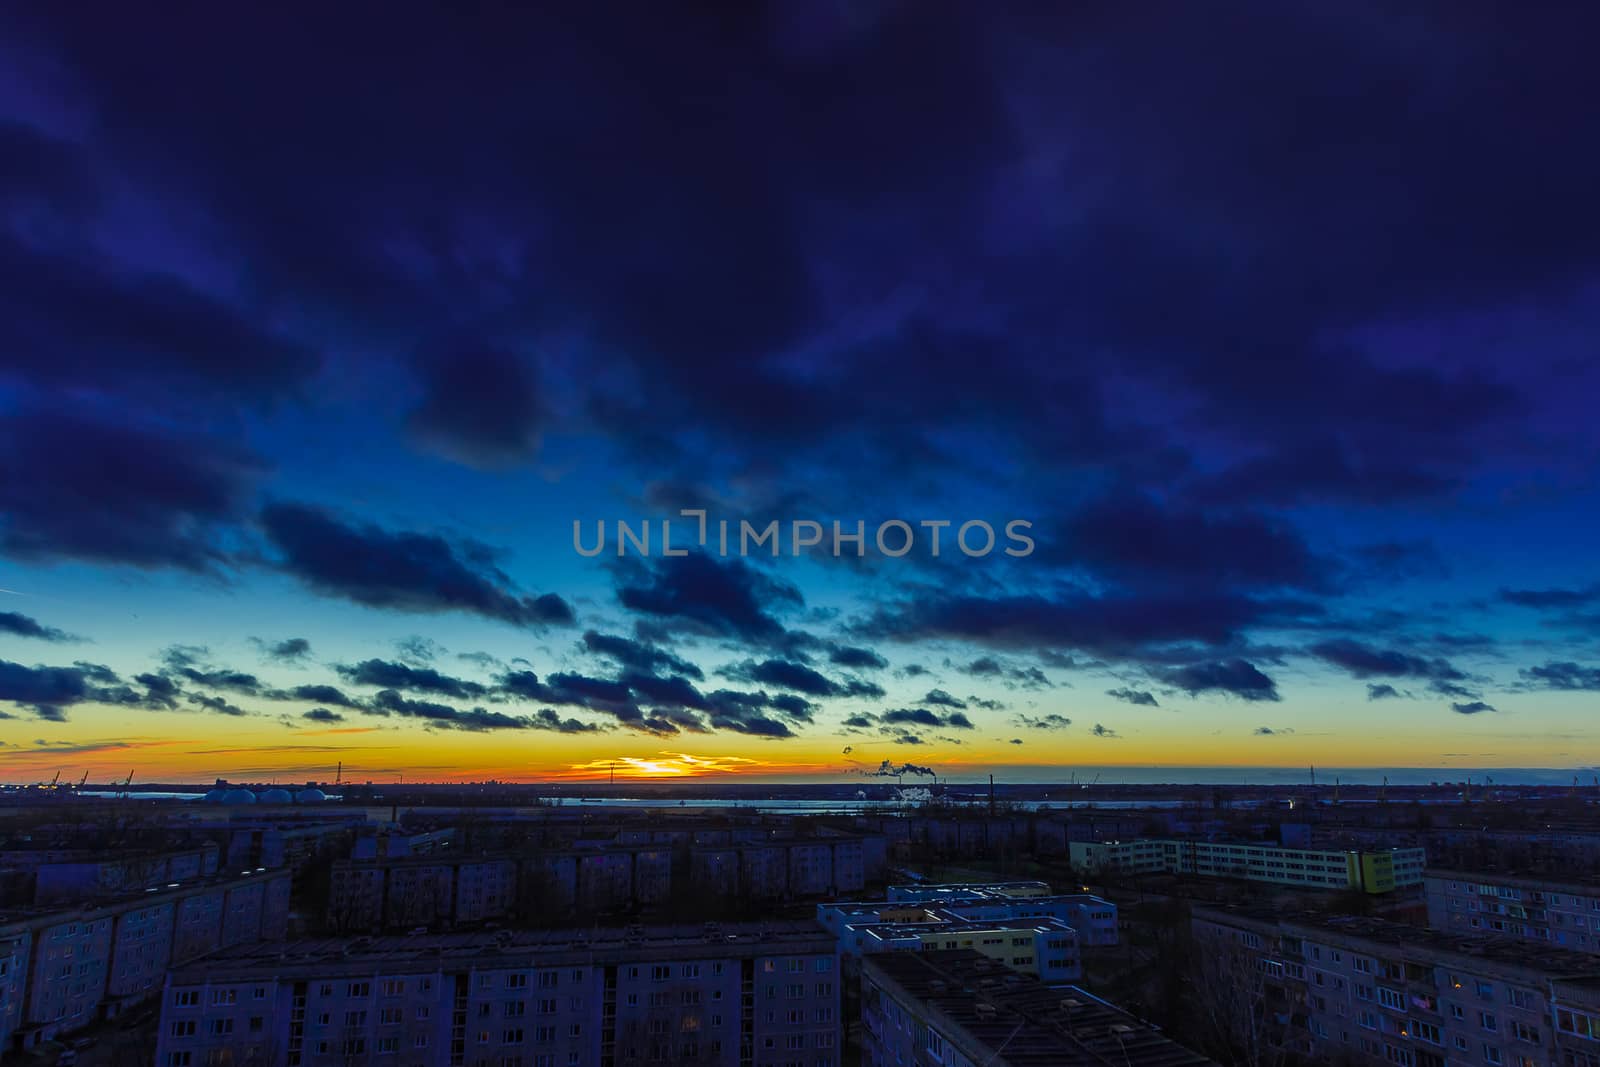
<point x="62" y="970"/>
<point x="1565" y="914"/>
<point x="1362" y="990"/>
<point x="1380" y="871"/>
<point x="756" y="995"/>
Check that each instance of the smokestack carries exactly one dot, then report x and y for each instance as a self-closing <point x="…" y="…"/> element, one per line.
<point x="991" y="794"/>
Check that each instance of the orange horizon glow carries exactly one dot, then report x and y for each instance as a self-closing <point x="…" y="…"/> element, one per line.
<point x="178" y="747"/>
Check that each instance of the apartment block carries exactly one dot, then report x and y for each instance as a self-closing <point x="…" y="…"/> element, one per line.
<point x="960" y="1009"/>
<point x="64" y="969"/>
<point x="760" y="995"/>
<point x="63" y="876"/>
<point x="1374" y="872"/>
<point x="1363" y="990"/>
<point x="1035" y="934"/>
<point x="639" y="869"/>
<point x="1044" y="948"/>
<point x="1562" y="913"/>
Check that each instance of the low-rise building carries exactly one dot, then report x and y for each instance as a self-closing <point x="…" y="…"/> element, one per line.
<point x="960" y="1009"/>
<point x="1011" y="922"/>
<point x="1378" y="871"/>
<point x="1044" y="948"/>
<point x="758" y="995"/>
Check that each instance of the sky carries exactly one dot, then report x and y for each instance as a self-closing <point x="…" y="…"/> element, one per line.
<point x="1262" y="336"/>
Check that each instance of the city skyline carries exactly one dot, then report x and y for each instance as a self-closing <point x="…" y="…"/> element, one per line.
<point x="312" y="370"/>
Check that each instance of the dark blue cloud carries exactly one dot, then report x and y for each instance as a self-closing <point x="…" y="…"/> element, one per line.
<point x="1134" y="539"/>
<point x="1134" y="696"/>
<point x="389" y="701"/>
<point x="317" y="694"/>
<point x="1234" y="677"/>
<point x="479" y="406"/>
<point x="399" y="570"/>
<point x="1562" y="675"/>
<point x="802" y="679"/>
<point x="1365" y="661"/>
<point x="383" y="674"/>
<point x="639" y="655"/>
<point x="19" y="625"/>
<point x="856" y="658"/>
<point x="73" y="487"/>
<point x="288" y="650"/>
<point x="728" y="597"/>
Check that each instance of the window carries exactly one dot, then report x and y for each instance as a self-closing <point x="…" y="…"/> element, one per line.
<point x="1487" y="1020"/>
<point x="393" y="987"/>
<point x="1390" y="998"/>
<point x="224" y="996"/>
<point x="183" y="1028"/>
<point x="186" y="998"/>
<point x="1522" y="1032"/>
<point x="1491" y="1054"/>
<point x="359" y="989"/>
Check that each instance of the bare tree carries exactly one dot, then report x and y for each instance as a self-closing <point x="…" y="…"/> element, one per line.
<point x="1239" y="1002"/>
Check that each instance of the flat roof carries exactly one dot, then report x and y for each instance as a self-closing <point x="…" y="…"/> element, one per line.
<point x="504" y="950"/>
<point x="1505" y="951"/>
<point x="122" y="900"/>
<point x="1021" y="1021"/>
<point x="1586" y="886"/>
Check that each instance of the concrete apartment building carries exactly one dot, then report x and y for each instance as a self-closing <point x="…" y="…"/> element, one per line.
<point x="1380" y="871"/>
<point x="1094" y="919"/>
<point x="1362" y="990"/>
<point x="1561" y="913"/>
<point x="1021" y="925"/>
<point x="400" y="890"/>
<point x="1046" y="949"/>
<point x="760" y="995"/>
<point x="59" y="876"/>
<point x="63" y="969"/>
<point x="960" y="1009"/>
